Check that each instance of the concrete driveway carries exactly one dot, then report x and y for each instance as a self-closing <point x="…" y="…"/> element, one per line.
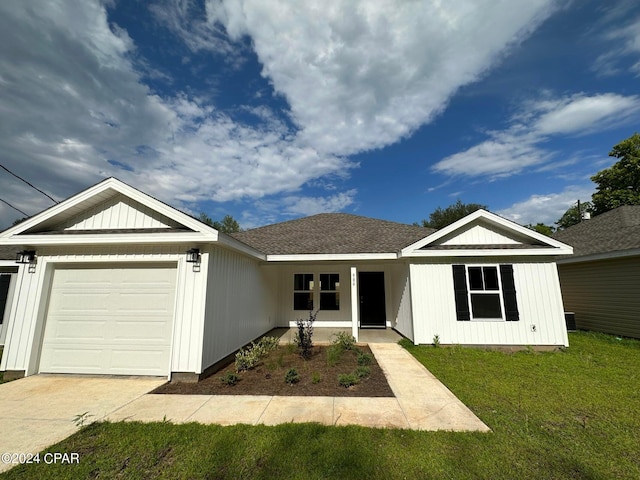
<point x="38" y="411"/>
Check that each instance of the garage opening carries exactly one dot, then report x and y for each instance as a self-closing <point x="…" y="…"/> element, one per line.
<point x="113" y="319"/>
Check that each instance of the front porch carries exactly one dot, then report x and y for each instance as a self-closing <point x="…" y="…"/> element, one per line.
<point x="323" y="336"/>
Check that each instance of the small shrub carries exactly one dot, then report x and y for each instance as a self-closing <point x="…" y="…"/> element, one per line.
<point x="248" y="357"/>
<point x="362" y="371"/>
<point x="348" y="379"/>
<point x="344" y="340"/>
<point x="269" y="344"/>
<point x="436" y="341"/>
<point x="316" y="377"/>
<point x="334" y="353"/>
<point x="304" y="334"/>
<point x="292" y="376"/>
<point x="364" y="358"/>
<point x="230" y="379"/>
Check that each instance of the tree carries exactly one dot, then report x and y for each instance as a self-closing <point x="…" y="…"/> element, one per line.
<point x="619" y="184"/>
<point x="542" y="228"/>
<point x="227" y="225"/>
<point x="574" y="216"/>
<point x="440" y="217"/>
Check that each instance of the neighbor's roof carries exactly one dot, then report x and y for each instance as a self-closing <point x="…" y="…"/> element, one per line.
<point x="332" y="233"/>
<point x="613" y="231"/>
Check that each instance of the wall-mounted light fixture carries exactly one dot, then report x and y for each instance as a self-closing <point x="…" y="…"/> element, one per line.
<point x="193" y="255"/>
<point x="26" y="256"/>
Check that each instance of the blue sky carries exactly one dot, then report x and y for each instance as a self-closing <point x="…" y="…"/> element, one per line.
<point x="272" y="110"/>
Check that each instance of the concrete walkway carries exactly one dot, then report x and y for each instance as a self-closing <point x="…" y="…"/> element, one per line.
<point x="421" y="403"/>
<point x="38" y="411"/>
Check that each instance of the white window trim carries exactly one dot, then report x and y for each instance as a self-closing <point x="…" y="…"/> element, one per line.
<point x="485" y="292"/>
<point x="316" y="291"/>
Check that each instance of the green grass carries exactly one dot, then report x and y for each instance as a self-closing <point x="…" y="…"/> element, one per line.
<point x="572" y="414"/>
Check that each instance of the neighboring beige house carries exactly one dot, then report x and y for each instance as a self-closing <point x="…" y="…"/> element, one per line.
<point x="113" y="281"/>
<point x="601" y="280"/>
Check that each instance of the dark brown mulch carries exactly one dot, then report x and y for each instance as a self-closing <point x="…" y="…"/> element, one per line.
<point x="267" y="378"/>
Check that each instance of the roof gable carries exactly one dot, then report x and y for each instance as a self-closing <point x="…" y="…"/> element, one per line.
<point x="108" y="207"/>
<point x="484" y="233"/>
<point x="614" y="231"/>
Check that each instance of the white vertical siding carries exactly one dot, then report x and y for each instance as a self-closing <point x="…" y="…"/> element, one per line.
<point x="116" y="213"/>
<point x="28" y="310"/>
<point x="479" y="235"/>
<point x="400" y="300"/>
<point x="539" y="305"/>
<point x="238" y="302"/>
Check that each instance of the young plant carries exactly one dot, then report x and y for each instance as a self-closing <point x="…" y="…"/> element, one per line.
<point x="348" y="379"/>
<point x="344" y="340"/>
<point x="436" y="341"/>
<point x="81" y="418"/>
<point x="230" y="379"/>
<point x="364" y="358"/>
<point x="334" y="353"/>
<point x="304" y="334"/>
<point x="362" y="371"/>
<point x="316" y="378"/>
<point x="292" y="376"/>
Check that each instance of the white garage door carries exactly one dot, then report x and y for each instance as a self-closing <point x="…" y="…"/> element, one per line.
<point x="114" y="321"/>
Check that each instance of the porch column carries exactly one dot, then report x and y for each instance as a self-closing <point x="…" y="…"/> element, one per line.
<point x="355" y="302"/>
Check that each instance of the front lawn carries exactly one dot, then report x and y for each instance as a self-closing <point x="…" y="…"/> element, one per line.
<point x="570" y="414"/>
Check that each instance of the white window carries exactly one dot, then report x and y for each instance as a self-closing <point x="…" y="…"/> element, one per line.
<point x="306" y="290"/>
<point x="485" y="295"/>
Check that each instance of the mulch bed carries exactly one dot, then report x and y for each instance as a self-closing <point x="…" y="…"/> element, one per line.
<point x="267" y="378"/>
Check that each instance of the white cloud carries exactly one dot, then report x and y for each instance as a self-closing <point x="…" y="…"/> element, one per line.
<point x="521" y="145"/>
<point x="546" y="208"/>
<point x="622" y="32"/>
<point x="356" y="75"/>
<point x="361" y="75"/>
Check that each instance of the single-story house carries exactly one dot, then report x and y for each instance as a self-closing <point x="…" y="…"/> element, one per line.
<point x="113" y="281"/>
<point x="601" y="280"/>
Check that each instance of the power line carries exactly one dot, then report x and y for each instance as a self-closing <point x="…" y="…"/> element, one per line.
<point x="31" y="185"/>
<point x="4" y="201"/>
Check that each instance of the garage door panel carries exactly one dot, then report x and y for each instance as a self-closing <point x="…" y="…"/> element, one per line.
<point x="122" y="327"/>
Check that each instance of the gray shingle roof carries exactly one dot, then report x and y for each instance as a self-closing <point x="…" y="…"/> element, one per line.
<point x="332" y="233"/>
<point x="613" y="231"/>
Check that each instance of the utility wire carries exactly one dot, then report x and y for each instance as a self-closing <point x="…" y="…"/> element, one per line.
<point x="4" y="201"/>
<point x="31" y="185"/>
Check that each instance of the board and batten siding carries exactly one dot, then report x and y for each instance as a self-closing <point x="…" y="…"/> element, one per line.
<point x="239" y="306"/>
<point x="118" y="212"/>
<point x="539" y="305"/>
<point x="401" y="300"/>
<point x="478" y="235"/>
<point x="26" y="323"/>
<point x="604" y="294"/>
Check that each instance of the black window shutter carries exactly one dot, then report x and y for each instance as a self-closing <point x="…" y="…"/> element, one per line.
<point x="460" y="291"/>
<point x="509" y="293"/>
<point x="4" y="292"/>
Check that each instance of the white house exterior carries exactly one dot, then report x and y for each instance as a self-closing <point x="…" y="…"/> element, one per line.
<point x="111" y="287"/>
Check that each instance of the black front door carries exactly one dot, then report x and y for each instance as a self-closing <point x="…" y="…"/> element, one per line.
<point x="372" y="305"/>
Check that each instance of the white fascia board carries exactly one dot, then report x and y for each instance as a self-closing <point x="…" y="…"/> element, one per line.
<point x="600" y="256"/>
<point x="8" y="263"/>
<point x="239" y="246"/>
<point x="117" y="185"/>
<point x="323" y="257"/>
<point x="492" y="218"/>
<point x="498" y="252"/>
<point x="106" y="239"/>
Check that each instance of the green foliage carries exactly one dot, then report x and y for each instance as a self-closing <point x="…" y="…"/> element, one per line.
<point x="316" y="377"/>
<point x="436" y="341"/>
<point x="303" y="336"/>
<point x="440" y="217"/>
<point x="573" y="215"/>
<point x="542" y="228"/>
<point x="348" y="379"/>
<point x="291" y="376"/>
<point x="248" y="357"/>
<point x="362" y="371"/>
<point x="619" y="184"/>
<point x="227" y="225"/>
<point x="344" y="340"/>
<point x="230" y="379"/>
<point x="80" y="419"/>
<point x="334" y="354"/>
<point x="364" y="358"/>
